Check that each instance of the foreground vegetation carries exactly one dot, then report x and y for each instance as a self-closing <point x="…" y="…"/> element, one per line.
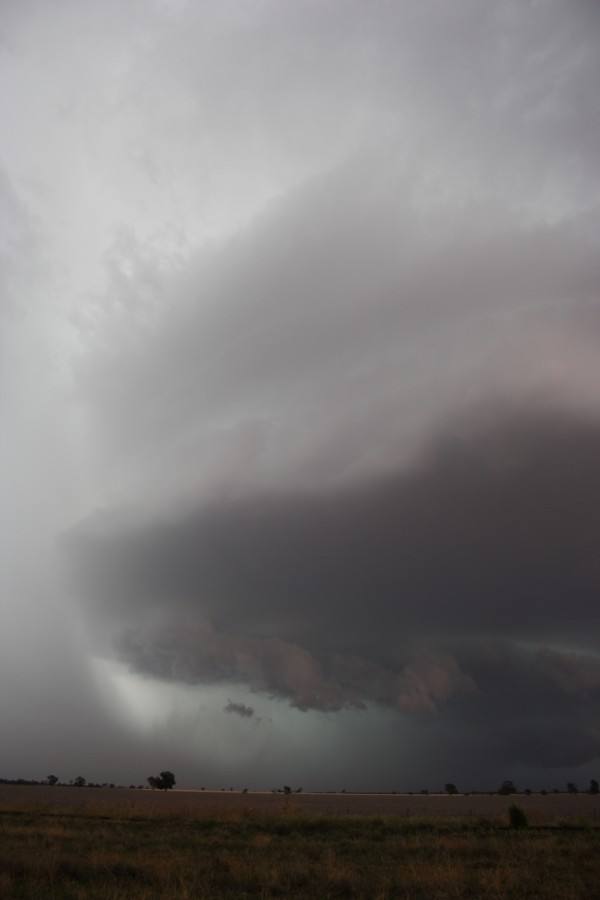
<point x="128" y="852"/>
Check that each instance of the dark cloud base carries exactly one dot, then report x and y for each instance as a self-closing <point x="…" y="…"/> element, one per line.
<point x="464" y="587"/>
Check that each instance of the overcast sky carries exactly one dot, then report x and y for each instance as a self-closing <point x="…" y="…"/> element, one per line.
<point x="300" y="392"/>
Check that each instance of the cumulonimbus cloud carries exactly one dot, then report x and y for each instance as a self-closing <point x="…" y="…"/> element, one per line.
<point x="410" y="591"/>
<point x="303" y="299"/>
<point x="359" y="437"/>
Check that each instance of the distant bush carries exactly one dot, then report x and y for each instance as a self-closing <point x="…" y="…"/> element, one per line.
<point x="517" y="816"/>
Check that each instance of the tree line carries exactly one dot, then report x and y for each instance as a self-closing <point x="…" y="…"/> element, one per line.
<point x="165" y="781"/>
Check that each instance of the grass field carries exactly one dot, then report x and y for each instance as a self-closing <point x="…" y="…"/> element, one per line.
<point x="79" y="843"/>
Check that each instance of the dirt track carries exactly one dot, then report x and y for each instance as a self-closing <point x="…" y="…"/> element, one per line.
<point x="540" y="808"/>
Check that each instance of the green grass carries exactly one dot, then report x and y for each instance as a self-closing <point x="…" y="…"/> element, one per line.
<point x="79" y="853"/>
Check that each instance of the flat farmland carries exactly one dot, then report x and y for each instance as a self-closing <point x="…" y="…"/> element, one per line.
<point x="69" y="843"/>
<point x="540" y="808"/>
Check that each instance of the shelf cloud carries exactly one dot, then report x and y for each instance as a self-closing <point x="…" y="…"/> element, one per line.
<point x="301" y="334"/>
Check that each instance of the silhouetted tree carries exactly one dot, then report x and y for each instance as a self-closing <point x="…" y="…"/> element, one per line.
<point x="450" y="788"/>
<point x="163" y="782"/>
<point x="52" y="779"/>
<point x="572" y="787"/>
<point x="507" y="787"/>
<point x="594" y="789"/>
<point x="79" y="781"/>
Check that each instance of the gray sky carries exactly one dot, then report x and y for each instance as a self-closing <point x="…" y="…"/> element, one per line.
<point x="300" y="392"/>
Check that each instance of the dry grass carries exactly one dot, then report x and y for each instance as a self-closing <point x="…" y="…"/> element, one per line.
<point x="539" y="809"/>
<point x="126" y="846"/>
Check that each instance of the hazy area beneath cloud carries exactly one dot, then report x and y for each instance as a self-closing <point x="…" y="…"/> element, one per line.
<point x="302" y="299"/>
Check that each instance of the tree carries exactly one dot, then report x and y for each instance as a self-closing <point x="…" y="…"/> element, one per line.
<point x="507" y="787"/>
<point x="594" y="788"/>
<point x="52" y="779"/>
<point x="450" y="788"/>
<point x="572" y="787"/>
<point x="163" y="782"/>
<point x="79" y="781"/>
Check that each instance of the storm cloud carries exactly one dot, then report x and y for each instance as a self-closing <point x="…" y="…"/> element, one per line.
<point x="454" y="576"/>
<point x="303" y="302"/>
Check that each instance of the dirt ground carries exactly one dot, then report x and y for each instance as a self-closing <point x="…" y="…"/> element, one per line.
<point x="539" y="807"/>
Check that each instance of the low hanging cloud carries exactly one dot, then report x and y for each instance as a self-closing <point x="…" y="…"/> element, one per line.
<point x="240" y="709"/>
<point x="493" y="529"/>
<point x="454" y="587"/>
<point x="192" y="652"/>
